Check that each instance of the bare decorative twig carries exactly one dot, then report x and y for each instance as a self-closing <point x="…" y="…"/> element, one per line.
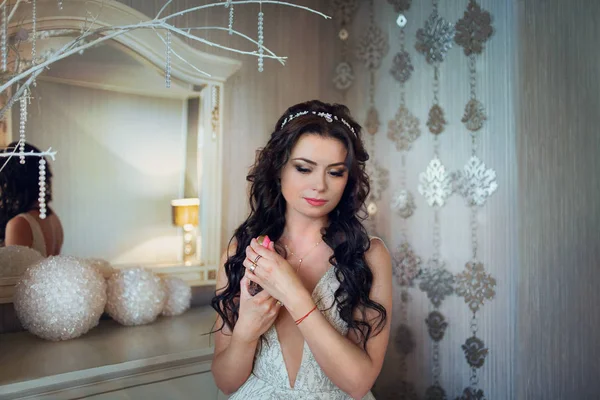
<point x="20" y="74"/>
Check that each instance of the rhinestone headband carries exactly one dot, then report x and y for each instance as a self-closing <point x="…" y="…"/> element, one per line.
<point x="328" y="117"/>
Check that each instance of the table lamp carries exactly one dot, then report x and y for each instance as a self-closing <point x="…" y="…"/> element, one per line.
<point x="185" y="215"/>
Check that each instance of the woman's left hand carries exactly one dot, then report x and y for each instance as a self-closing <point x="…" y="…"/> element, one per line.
<point x="273" y="273"/>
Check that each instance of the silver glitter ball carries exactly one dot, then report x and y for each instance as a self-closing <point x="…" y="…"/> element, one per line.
<point x="14" y="260"/>
<point x="135" y="296"/>
<point x="179" y="296"/>
<point x="101" y="265"/>
<point x="60" y="298"/>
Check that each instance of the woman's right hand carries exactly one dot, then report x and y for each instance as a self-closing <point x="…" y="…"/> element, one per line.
<point x="256" y="313"/>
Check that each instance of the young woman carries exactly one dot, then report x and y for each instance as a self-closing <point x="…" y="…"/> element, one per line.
<point x="319" y="328"/>
<point x="20" y="222"/>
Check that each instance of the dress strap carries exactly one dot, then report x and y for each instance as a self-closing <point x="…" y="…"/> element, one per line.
<point x="39" y="243"/>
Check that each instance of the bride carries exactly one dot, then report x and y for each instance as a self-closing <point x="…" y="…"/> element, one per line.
<point x="318" y="328"/>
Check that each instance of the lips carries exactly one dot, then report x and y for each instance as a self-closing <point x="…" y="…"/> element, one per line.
<point x="315" y="202"/>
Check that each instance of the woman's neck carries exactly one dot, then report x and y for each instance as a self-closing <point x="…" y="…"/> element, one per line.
<point x="301" y="230"/>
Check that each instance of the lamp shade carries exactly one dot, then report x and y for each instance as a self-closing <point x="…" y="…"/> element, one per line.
<point x="185" y="211"/>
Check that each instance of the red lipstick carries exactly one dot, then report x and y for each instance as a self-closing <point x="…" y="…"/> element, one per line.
<point x="315" y="202"/>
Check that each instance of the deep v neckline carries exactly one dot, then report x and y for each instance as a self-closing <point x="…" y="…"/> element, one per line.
<point x="287" y="374"/>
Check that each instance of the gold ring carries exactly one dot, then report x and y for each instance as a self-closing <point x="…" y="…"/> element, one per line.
<point x="252" y="267"/>
<point x="257" y="258"/>
<point x="279" y="303"/>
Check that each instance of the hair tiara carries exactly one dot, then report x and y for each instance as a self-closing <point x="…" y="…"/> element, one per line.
<point x="328" y="117"/>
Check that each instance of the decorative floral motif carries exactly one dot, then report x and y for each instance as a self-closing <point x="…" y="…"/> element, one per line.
<point x="404" y="129"/>
<point x="473" y="29"/>
<point x="343" y="11"/>
<point x="476" y="183"/>
<point x="407" y="265"/>
<point x="435" y="183"/>
<point x="436" y="325"/>
<point x="400" y="5"/>
<point x="372" y="122"/>
<point x="435" y="39"/>
<point x="403" y="203"/>
<point x="475" y="351"/>
<point x="378" y="179"/>
<point x="435" y="392"/>
<point x="344" y="76"/>
<point x="402" y="67"/>
<point x="405" y="342"/>
<point x="474" y="116"/>
<point x="372" y="47"/>
<point x="436" y="121"/>
<point x="436" y="282"/>
<point x="475" y="285"/>
<point x="471" y="393"/>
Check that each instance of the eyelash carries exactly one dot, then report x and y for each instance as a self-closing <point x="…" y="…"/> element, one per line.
<point x="337" y="174"/>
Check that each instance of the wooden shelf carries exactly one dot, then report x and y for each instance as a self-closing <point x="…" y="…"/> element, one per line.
<point x="109" y="357"/>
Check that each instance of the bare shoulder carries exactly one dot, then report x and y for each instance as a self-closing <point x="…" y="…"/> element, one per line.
<point x="18" y="232"/>
<point x="378" y="256"/>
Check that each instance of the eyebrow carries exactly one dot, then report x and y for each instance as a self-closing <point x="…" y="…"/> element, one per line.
<point x="314" y="163"/>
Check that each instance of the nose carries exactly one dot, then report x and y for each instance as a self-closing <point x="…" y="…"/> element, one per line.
<point x="320" y="182"/>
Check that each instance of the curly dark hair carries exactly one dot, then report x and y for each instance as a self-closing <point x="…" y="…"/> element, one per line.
<point x="345" y="233"/>
<point x="19" y="185"/>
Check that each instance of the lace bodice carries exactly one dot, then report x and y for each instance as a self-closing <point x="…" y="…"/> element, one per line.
<point x="269" y="378"/>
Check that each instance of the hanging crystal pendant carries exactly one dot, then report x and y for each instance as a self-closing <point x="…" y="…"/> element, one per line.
<point x="42" y="198"/>
<point x="168" y="66"/>
<point x="22" y="121"/>
<point x="4" y="33"/>
<point x="230" y="17"/>
<point x="260" y="41"/>
<point x="60" y="5"/>
<point x="33" y="30"/>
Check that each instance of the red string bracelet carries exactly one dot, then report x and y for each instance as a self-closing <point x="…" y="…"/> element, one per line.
<point x="299" y="320"/>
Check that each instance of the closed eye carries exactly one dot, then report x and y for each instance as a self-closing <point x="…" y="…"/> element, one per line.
<point x="302" y="170"/>
<point x="337" y="173"/>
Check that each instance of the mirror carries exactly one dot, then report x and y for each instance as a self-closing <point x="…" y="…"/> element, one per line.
<point x="130" y="149"/>
<point x="127" y="146"/>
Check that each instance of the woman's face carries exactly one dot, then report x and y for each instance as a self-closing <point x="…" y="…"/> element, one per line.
<point x="314" y="178"/>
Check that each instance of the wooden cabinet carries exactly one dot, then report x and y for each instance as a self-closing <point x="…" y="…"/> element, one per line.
<point x="169" y="359"/>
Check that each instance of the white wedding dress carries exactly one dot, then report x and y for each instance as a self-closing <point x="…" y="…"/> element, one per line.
<point x="269" y="379"/>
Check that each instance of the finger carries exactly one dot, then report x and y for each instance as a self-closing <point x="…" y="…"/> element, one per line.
<point x="244" y="292"/>
<point x="250" y="266"/>
<point x="260" y="250"/>
<point x="250" y="253"/>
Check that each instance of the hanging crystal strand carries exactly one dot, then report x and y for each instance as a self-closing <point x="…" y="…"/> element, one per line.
<point x="22" y="121"/>
<point x="4" y="39"/>
<point x="42" y="184"/>
<point x="436" y="91"/>
<point x="214" y="100"/>
<point x="168" y="64"/>
<point x="60" y="4"/>
<point x="260" y="40"/>
<point x="33" y="35"/>
<point x="472" y="77"/>
<point x="230" y="17"/>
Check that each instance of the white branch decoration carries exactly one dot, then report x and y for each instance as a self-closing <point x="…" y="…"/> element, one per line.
<point x="22" y="79"/>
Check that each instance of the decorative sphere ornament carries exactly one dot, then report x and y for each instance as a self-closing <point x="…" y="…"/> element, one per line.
<point x="60" y="298"/>
<point x="179" y="296"/>
<point x="135" y="296"/>
<point x="14" y="260"/>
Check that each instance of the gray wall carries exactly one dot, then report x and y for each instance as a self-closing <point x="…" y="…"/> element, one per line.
<point x="558" y="146"/>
